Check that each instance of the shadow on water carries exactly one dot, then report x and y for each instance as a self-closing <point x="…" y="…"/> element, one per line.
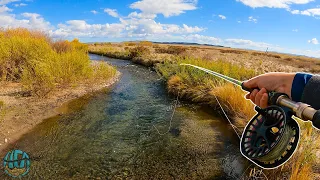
<point x="111" y="135"/>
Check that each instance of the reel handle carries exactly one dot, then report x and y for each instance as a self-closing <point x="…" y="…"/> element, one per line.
<point x="273" y="96"/>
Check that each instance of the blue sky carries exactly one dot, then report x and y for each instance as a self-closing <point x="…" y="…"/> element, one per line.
<point x="290" y="26"/>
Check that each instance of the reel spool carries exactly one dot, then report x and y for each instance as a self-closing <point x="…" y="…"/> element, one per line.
<point x="270" y="138"/>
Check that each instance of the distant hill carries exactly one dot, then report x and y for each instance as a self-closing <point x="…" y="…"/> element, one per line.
<point x="178" y="43"/>
<point x="188" y="43"/>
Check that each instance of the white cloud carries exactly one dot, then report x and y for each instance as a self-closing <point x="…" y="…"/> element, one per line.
<point x="273" y="3"/>
<point x="247" y="43"/>
<point x="4" y="2"/>
<point x="315" y="12"/>
<point x="20" y="5"/>
<point x="141" y="15"/>
<point x="94" y="12"/>
<point x="222" y="16"/>
<point x="35" y="21"/>
<point x="314" y="41"/>
<point x="28" y="20"/>
<point x="4" y="9"/>
<point x="239" y="21"/>
<point x="306" y="13"/>
<point x="252" y="19"/>
<point x="197" y="38"/>
<point x="166" y="7"/>
<point x="295" y="30"/>
<point x="201" y="39"/>
<point x="295" y="12"/>
<point x="80" y="28"/>
<point x="129" y="27"/>
<point x="311" y="12"/>
<point x="112" y="12"/>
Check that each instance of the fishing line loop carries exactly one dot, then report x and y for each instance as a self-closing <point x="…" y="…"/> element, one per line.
<point x="170" y="125"/>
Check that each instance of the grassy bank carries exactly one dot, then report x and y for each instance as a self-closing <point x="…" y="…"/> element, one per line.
<point x="43" y="65"/>
<point x="199" y="87"/>
<point x="39" y="75"/>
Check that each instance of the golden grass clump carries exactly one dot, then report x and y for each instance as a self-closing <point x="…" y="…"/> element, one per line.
<point x="175" y="50"/>
<point x="234" y="97"/>
<point x="130" y="43"/>
<point x="145" y="43"/>
<point x="39" y="63"/>
<point x="103" y="70"/>
<point x="232" y="51"/>
<point x="138" y="51"/>
<point x="198" y="86"/>
<point x="266" y="54"/>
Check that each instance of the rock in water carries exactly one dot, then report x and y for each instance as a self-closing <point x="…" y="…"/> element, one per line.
<point x="175" y="132"/>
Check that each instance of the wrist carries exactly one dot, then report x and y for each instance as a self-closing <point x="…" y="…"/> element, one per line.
<point x="287" y="81"/>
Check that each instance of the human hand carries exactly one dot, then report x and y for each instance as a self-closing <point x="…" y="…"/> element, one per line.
<point x="278" y="82"/>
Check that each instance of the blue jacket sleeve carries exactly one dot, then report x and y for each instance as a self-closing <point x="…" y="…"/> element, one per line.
<point x="311" y="92"/>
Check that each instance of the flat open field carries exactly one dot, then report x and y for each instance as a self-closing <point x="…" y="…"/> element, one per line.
<point x="260" y="61"/>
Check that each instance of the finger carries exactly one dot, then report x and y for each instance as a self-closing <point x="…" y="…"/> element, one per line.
<point x="252" y="83"/>
<point x="259" y="96"/>
<point x="248" y="96"/>
<point x="253" y="95"/>
<point x="264" y="101"/>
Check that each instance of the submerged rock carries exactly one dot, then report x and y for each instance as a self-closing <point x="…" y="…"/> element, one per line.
<point x="175" y="132"/>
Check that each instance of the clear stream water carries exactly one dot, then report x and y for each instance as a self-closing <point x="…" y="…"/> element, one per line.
<point x="111" y="135"/>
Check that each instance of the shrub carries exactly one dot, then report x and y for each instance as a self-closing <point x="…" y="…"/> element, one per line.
<point x="103" y="70"/>
<point x="232" y="51"/>
<point x="145" y="43"/>
<point x="156" y="46"/>
<point x="161" y="50"/>
<point x="61" y="46"/>
<point x="130" y="43"/>
<point x="41" y="64"/>
<point x="138" y="51"/>
<point x="266" y="54"/>
<point x="176" y="50"/>
<point x="107" y="44"/>
<point x="288" y="59"/>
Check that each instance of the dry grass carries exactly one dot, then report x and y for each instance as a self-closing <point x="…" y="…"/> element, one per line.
<point x="175" y="50"/>
<point x="145" y="43"/>
<point x="233" y="96"/>
<point x="41" y="64"/>
<point x="266" y="54"/>
<point x="232" y="51"/>
<point x="197" y="86"/>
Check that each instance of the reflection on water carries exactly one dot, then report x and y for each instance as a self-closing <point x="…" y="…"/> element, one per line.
<point x="111" y="135"/>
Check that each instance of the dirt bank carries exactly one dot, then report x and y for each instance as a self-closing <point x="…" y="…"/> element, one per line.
<point x="20" y="113"/>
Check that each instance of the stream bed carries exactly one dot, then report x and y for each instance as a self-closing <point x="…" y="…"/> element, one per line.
<point x="124" y="132"/>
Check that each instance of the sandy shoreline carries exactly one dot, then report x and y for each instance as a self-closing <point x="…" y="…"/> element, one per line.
<point x="20" y="114"/>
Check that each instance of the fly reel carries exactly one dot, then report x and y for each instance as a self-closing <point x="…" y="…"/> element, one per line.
<point x="270" y="138"/>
